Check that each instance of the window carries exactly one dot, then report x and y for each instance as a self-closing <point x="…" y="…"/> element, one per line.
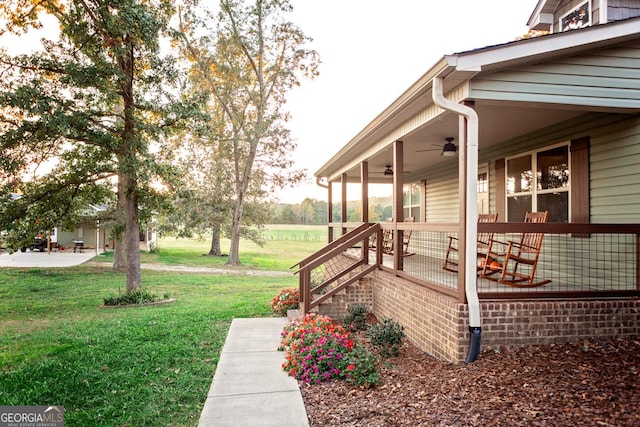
<point x="539" y="182"/>
<point x="483" y="189"/>
<point x="411" y="201"/>
<point x="577" y="18"/>
<point x="483" y="183"/>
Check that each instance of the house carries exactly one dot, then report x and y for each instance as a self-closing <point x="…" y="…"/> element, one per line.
<point x="92" y="231"/>
<point x="551" y="124"/>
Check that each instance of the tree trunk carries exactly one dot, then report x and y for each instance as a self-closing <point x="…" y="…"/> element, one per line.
<point x="215" y="241"/>
<point x="132" y="234"/>
<point x="119" y="261"/>
<point x="128" y="171"/>
<point x="234" y="249"/>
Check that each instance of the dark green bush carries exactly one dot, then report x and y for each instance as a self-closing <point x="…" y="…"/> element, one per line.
<point x="356" y="318"/>
<point x="139" y="296"/>
<point x="362" y="368"/>
<point x="386" y="337"/>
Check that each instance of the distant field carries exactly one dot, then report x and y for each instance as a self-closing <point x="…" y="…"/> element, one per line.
<point x="285" y="245"/>
<point x="313" y="233"/>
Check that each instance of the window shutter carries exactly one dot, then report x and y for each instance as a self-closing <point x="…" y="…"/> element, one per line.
<point x="580" y="180"/>
<point x="501" y="190"/>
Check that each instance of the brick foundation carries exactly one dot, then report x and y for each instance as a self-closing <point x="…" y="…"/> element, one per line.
<point x="359" y="293"/>
<point x="438" y="324"/>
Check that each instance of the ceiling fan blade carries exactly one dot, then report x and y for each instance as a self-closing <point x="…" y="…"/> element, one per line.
<point x="429" y="149"/>
<point x="438" y="147"/>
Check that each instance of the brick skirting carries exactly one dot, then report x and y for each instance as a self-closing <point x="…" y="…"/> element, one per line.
<point x="438" y="324"/>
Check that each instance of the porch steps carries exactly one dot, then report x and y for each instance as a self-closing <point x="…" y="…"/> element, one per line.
<point x="336" y="306"/>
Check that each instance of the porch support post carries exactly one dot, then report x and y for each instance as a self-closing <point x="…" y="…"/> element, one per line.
<point x="398" y="208"/>
<point x="343" y="205"/>
<point x="330" y="211"/>
<point x="364" y="181"/>
<point x="364" y="207"/>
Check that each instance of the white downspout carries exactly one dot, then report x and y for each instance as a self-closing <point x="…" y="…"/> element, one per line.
<point x="471" y="289"/>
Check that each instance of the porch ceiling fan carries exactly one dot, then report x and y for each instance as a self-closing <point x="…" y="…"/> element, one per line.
<point x="388" y="171"/>
<point x="448" y="149"/>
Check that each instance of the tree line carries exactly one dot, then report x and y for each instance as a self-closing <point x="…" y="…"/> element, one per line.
<point x="313" y="211"/>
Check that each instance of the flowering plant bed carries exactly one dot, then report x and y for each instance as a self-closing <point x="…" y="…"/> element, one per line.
<point x="287" y="299"/>
<point x="318" y="350"/>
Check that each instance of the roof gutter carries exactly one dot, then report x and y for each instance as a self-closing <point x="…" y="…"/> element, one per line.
<point x="320" y="184"/>
<point x="471" y="223"/>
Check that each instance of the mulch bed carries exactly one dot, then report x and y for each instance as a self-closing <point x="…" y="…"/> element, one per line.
<point x="587" y="383"/>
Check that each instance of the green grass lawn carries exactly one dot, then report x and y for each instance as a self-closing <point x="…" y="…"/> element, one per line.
<point x="132" y="366"/>
<point x="284" y="246"/>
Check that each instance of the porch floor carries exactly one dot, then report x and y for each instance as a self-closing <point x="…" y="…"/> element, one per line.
<point x="430" y="269"/>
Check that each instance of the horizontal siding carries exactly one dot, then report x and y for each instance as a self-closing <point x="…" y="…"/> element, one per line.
<point x="622" y="9"/>
<point x="615" y="173"/>
<point x="614" y="162"/>
<point x="607" y="78"/>
<point x="441" y="201"/>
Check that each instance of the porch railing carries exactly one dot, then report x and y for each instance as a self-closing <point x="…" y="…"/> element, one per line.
<point x="324" y="274"/>
<point x="580" y="260"/>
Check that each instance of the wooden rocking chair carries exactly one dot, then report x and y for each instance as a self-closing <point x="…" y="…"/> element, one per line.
<point x="483" y="249"/>
<point x="520" y="259"/>
<point x="387" y="240"/>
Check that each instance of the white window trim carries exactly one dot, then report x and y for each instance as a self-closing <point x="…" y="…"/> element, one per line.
<point x="604" y="12"/>
<point x="420" y="189"/>
<point x="534" y="166"/>
<point x="589" y="22"/>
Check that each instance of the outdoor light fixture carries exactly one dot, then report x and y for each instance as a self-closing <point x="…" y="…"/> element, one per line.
<point x="449" y="148"/>
<point x="388" y="171"/>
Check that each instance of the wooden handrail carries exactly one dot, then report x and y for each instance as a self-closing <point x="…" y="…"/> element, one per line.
<point x="336" y="247"/>
<point x="558" y="228"/>
<point x="333" y="249"/>
<point x="328" y="248"/>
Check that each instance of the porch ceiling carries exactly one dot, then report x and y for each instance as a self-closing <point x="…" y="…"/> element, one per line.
<point x="413" y="118"/>
<point x="499" y="122"/>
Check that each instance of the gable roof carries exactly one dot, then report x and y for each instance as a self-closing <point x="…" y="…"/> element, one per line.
<point x="415" y="108"/>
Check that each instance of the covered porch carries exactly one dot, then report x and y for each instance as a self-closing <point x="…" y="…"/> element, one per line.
<point x="549" y="124"/>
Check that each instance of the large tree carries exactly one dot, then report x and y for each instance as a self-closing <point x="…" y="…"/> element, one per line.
<point x="248" y="63"/>
<point x="92" y="102"/>
<point x="204" y="205"/>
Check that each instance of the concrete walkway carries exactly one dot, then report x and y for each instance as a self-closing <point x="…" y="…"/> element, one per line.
<point x="250" y="388"/>
<point x="45" y="259"/>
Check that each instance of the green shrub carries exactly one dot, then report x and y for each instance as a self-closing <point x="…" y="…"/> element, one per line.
<point x="138" y="296"/>
<point x="356" y="319"/>
<point x="386" y="337"/>
<point x="362" y="368"/>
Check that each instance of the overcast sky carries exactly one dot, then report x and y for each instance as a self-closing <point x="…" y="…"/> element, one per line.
<point x="371" y="52"/>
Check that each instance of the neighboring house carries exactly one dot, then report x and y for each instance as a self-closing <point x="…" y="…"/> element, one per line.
<point x="90" y="233"/>
<point x="93" y="233"/>
<point x="544" y="124"/>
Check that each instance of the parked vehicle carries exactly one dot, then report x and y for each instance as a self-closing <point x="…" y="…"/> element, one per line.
<point x="39" y="244"/>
